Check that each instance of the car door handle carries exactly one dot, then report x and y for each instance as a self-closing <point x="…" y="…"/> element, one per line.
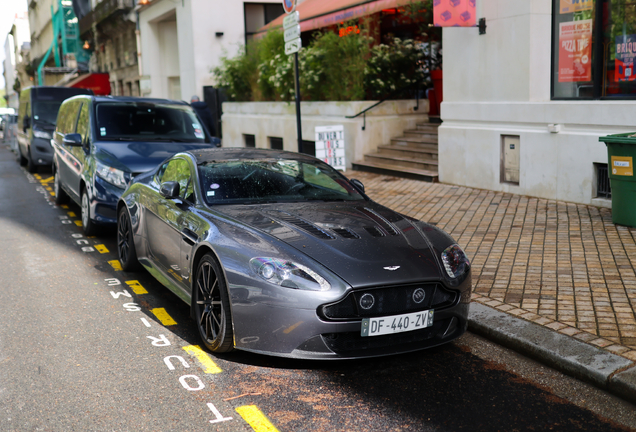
<point x="189" y="237"/>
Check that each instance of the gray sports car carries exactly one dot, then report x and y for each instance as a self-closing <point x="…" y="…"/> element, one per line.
<point x="278" y="253"/>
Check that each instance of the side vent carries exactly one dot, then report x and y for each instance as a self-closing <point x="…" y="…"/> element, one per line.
<point x="346" y="233"/>
<point x="374" y="231"/>
<point x="304" y="225"/>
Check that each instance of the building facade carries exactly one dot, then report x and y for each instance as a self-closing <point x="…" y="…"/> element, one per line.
<point x="182" y="42"/>
<point x="525" y="104"/>
<point x="16" y="59"/>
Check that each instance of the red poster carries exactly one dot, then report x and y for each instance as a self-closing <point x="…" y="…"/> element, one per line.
<point x="454" y="13"/>
<point x="575" y="51"/>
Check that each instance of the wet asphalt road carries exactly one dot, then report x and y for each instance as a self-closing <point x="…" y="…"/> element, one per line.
<point x="84" y="348"/>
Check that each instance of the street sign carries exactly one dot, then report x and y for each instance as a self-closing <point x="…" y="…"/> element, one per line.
<point x="289" y="5"/>
<point x="292" y="33"/>
<point x="293" y="46"/>
<point x="291" y="20"/>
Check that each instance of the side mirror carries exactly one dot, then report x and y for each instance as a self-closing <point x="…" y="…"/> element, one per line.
<point x="170" y="189"/>
<point x="357" y="184"/>
<point x="26" y="123"/>
<point x="72" y="139"/>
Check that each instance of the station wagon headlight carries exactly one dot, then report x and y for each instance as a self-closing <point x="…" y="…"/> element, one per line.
<point x="288" y="274"/>
<point x="111" y="175"/>
<point x="455" y="261"/>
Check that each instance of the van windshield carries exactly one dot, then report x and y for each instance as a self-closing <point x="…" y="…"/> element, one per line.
<point x="46" y="111"/>
<point x="139" y="121"/>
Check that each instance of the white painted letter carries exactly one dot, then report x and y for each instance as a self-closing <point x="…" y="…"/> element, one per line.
<point x="160" y="341"/>
<point x="186" y="386"/>
<point x="169" y="363"/>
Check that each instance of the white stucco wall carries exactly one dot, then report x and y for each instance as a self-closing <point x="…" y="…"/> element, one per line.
<point x="499" y="84"/>
<point x="199" y="49"/>
<point x="278" y="119"/>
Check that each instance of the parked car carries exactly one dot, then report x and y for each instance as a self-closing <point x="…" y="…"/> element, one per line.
<point x="278" y="253"/>
<point x="102" y="142"/>
<point x="10" y="130"/>
<point x="36" y="122"/>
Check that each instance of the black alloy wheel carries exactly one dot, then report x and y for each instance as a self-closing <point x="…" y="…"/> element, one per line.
<point x="60" y="196"/>
<point x="212" y="307"/>
<point x="125" y="243"/>
<point x="87" y="223"/>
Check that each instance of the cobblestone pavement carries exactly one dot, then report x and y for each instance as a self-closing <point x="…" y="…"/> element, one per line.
<point x="561" y="265"/>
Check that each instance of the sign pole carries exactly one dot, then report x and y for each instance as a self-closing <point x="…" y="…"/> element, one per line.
<point x="298" y="126"/>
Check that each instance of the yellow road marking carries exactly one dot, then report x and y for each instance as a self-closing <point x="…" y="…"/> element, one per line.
<point x="71" y="214"/>
<point x="116" y="265"/>
<point x="101" y="248"/>
<point x="37" y="176"/>
<point x="209" y="366"/>
<point x="163" y="316"/>
<point x="255" y="418"/>
<point x="52" y="193"/>
<point x="292" y="328"/>
<point x="47" y="180"/>
<point x="64" y="206"/>
<point x="136" y="287"/>
<point x="78" y="223"/>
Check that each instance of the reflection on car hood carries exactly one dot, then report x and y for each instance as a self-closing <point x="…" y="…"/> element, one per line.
<point x="364" y="243"/>
<point x="137" y="157"/>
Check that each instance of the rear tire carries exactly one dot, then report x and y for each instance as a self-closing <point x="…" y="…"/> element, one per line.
<point x="125" y="242"/>
<point x="31" y="166"/>
<point x="212" y="306"/>
<point x="60" y="196"/>
<point x="88" y="225"/>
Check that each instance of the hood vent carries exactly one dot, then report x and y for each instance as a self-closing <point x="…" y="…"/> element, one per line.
<point x="303" y="225"/>
<point x="346" y="233"/>
<point x="374" y="231"/>
<point x="385" y="224"/>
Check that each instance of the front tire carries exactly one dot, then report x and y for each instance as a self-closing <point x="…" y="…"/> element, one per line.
<point x="212" y="307"/>
<point x="87" y="223"/>
<point x="125" y="242"/>
<point x="60" y="196"/>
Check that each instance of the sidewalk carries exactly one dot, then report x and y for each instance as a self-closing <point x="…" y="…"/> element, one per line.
<point x="558" y="276"/>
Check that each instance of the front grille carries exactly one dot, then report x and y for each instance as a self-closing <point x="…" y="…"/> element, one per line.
<point x="391" y="300"/>
<point x="351" y="342"/>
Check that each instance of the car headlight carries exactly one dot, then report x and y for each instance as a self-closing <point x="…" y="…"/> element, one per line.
<point x="455" y="261"/>
<point x="41" y="134"/>
<point x="111" y="175"/>
<point x="288" y="274"/>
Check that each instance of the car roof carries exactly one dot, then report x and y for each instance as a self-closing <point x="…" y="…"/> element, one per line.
<point x="136" y="99"/>
<point x="242" y="153"/>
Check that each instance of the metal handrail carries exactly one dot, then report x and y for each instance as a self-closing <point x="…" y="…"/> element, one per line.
<point x="398" y="91"/>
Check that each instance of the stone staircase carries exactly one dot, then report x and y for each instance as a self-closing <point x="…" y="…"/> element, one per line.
<point x="413" y="155"/>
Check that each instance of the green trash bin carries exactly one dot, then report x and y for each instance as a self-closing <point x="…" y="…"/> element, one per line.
<point x="621" y="155"/>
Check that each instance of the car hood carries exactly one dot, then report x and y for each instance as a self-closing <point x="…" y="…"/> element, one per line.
<point x="138" y="157"/>
<point x="364" y="243"/>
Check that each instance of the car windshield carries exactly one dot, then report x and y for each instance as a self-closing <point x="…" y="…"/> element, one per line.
<point x="272" y="180"/>
<point x="139" y="121"/>
<point x="46" y="111"/>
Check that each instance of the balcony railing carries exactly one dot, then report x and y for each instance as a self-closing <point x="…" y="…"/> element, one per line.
<point x="103" y="10"/>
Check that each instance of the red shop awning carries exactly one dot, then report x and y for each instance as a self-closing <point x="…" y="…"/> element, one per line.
<point x="315" y="14"/>
<point x="98" y="82"/>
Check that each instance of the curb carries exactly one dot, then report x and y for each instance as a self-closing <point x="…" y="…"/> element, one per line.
<point x="608" y="371"/>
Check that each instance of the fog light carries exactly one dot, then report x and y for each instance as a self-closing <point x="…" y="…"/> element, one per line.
<point x="367" y="301"/>
<point x="419" y="295"/>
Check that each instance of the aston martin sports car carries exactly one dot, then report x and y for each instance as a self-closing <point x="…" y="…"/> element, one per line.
<point x="278" y="253"/>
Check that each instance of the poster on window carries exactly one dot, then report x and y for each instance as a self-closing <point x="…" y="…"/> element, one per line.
<point x="575" y="51"/>
<point x="569" y="6"/>
<point x="624" y="60"/>
<point x="454" y="13"/>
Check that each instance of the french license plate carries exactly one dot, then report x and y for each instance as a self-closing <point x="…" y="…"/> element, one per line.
<point x="396" y="323"/>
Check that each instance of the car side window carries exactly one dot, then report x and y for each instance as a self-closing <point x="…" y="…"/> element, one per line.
<point x="83" y="123"/>
<point x="178" y="170"/>
<point x="66" y="117"/>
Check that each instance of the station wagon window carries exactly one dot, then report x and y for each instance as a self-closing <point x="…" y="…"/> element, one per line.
<point x="67" y="117"/>
<point x="148" y="122"/>
<point x="83" y="123"/>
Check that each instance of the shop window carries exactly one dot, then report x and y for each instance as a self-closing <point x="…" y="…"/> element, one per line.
<point x="593" y="51"/>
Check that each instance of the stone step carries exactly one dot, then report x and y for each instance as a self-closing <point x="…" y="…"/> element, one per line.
<point x="407" y="140"/>
<point x="427" y="127"/>
<point x="389" y="169"/>
<point x="415" y="133"/>
<point x="422" y="152"/>
<point x="402" y="162"/>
